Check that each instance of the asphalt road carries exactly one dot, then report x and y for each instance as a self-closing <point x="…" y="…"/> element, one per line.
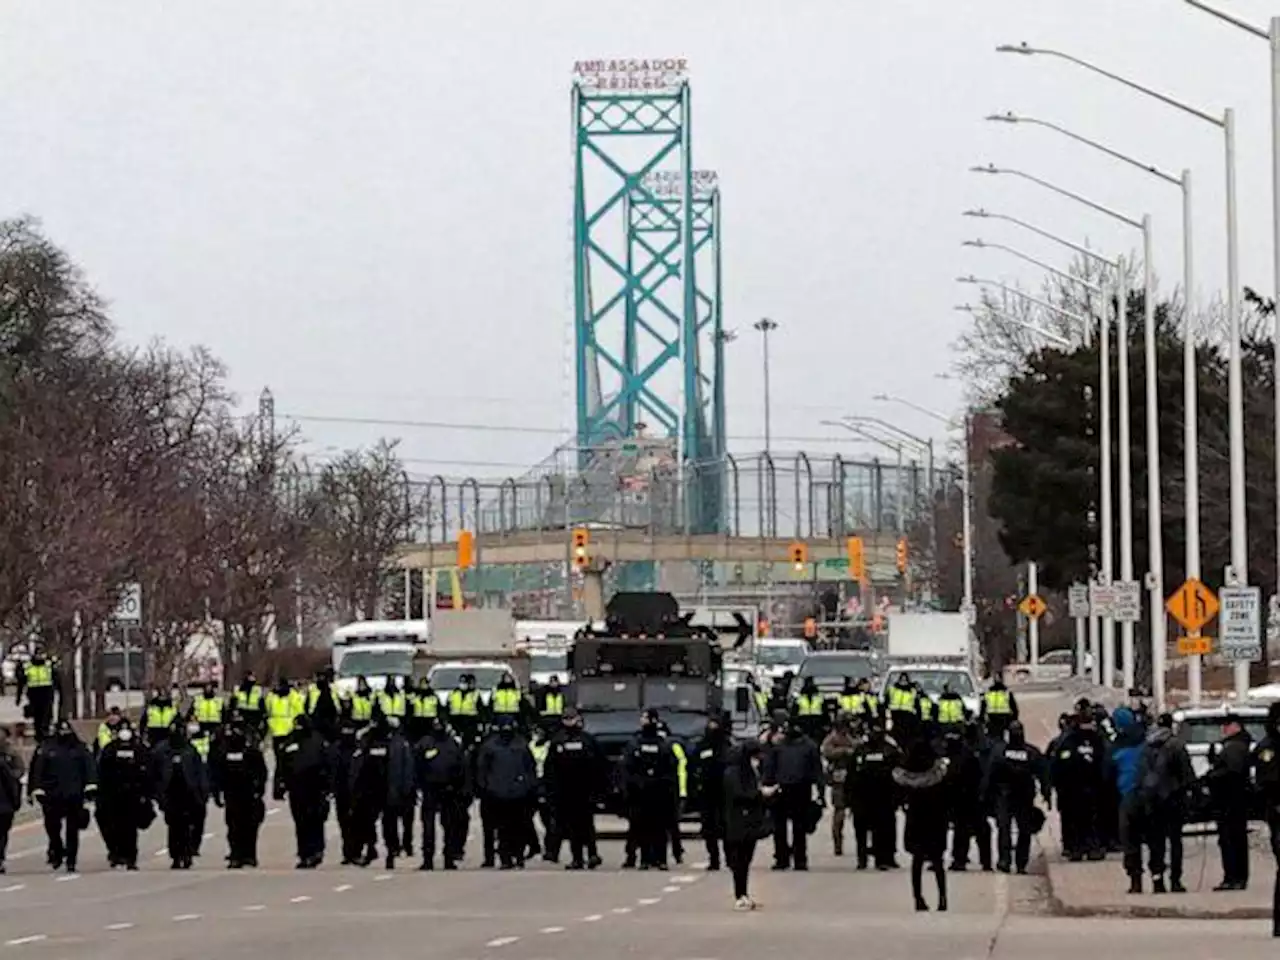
<point x="544" y="912"/>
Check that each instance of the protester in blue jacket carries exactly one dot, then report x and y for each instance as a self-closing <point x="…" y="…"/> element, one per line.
<point x="1126" y="751"/>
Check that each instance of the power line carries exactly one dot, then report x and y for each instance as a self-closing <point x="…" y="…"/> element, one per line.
<point x="514" y="428"/>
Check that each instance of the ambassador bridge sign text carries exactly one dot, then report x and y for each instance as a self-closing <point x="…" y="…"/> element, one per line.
<point x="642" y="76"/>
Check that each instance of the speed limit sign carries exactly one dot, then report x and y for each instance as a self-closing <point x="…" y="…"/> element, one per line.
<point x="129" y="609"/>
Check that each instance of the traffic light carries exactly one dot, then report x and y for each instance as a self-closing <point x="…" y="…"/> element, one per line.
<point x="799" y="554"/>
<point x="902" y="554"/>
<point x="581" y="541"/>
<point x="466" y="549"/>
<point x="857" y="559"/>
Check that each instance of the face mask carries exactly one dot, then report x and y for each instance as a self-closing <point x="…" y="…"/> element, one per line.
<point x="125" y="736"/>
<point x="193" y="730"/>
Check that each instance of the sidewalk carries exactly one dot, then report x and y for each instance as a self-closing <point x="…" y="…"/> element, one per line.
<point x="1100" y="889"/>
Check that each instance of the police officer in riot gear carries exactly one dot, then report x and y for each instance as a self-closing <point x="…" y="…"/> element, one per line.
<point x="238" y="781"/>
<point x="441" y="772"/>
<point x="574" y="776"/>
<point x="124" y="789"/>
<point x="304" y="775"/>
<point x="1015" y="774"/>
<point x="650" y="782"/>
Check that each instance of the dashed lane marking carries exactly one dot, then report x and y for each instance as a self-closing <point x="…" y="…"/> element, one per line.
<point x="20" y="941"/>
<point x="301" y="899"/>
<point x="13" y="888"/>
<point x="684" y="878"/>
<point x="64" y="879"/>
<point x="552" y="930"/>
<point x="184" y="917"/>
<point x="502" y="941"/>
<point x="254" y="907"/>
<point x="620" y="910"/>
<point x="206" y="836"/>
<point x="342" y="888"/>
<point x="648" y="901"/>
<point x="383" y="876"/>
<point x="592" y="918"/>
<point x="273" y="811"/>
<point x="161" y="853"/>
<point x="118" y="926"/>
<point x="670" y="889"/>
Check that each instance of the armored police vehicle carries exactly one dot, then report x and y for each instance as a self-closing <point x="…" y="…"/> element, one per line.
<point x="645" y="655"/>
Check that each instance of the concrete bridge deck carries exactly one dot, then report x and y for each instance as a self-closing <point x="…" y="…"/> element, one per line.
<point x="547" y="546"/>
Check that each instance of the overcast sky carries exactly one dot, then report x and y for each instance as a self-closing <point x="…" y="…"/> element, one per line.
<point x="366" y="205"/>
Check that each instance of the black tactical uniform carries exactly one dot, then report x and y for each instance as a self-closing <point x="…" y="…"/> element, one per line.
<point x="872" y="796"/>
<point x="650" y="776"/>
<point x="124" y="790"/>
<point x="710" y="756"/>
<point x="1014" y="774"/>
<point x="304" y="775"/>
<point x="574" y="775"/>
<point x="1266" y="765"/>
<point x="441" y="771"/>
<point x="1229" y="787"/>
<point x="238" y="780"/>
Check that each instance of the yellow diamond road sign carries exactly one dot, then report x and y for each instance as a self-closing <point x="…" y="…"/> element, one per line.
<point x="1032" y="606"/>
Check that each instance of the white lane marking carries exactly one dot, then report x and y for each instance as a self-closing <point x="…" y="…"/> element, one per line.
<point x="302" y="899"/>
<point x="118" y="926"/>
<point x="206" y="836"/>
<point x="620" y="910"/>
<point x="183" y="917"/>
<point x="273" y="811"/>
<point x="592" y="918"/>
<point x="69" y="876"/>
<point x="254" y="907"/>
<point x="13" y="888"/>
<point x="648" y="901"/>
<point x="342" y="888"/>
<point x="19" y="941"/>
<point x="700" y="865"/>
<point x="161" y="853"/>
<point x="552" y="930"/>
<point x="383" y="876"/>
<point x="670" y="889"/>
<point x="684" y="878"/>
<point x="502" y="941"/>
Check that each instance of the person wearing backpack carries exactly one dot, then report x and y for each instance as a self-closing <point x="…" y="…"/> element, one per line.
<point x="1164" y="778"/>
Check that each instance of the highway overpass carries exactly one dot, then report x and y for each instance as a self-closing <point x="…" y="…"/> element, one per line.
<point x="640" y="546"/>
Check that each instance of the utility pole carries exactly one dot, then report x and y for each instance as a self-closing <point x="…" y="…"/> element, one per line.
<point x="765" y="325"/>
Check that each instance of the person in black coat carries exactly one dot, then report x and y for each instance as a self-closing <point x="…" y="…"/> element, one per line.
<point x="574" y="775"/>
<point x="441" y="772"/>
<point x="507" y="776"/>
<point x="382" y="771"/>
<point x="238" y="780"/>
<point x="650" y="773"/>
<point x="11" y="771"/>
<point x="924" y="780"/>
<point x="872" y="796"/>
<point x="181" y="791"/>
<point x="304" y="775"/>
<point x="794" y="765"/>
<point x="710" y="756"/>
<point x="969" y="752"/>
<point x="1229" y="785"/>
<point x="62" y="778"/>
<point x="124" y="790"/>
<point x="1015" y="774"/>
<point x="746" y="816"/>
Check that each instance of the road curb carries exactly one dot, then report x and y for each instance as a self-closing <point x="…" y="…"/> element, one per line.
<point x="1146" y="910"/>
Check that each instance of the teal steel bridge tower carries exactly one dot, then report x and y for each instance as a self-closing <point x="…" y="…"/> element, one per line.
<point x="648" y="327"/>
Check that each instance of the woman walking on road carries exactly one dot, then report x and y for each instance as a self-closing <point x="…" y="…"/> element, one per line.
<point x="923" y="779"/>
<point x="746" y="819"/>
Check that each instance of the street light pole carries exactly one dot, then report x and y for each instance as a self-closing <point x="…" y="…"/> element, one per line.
<point x="1237" y="572"/>
<point x="765" y="325"/>
<point x="1126" y="476"/>
<point x="1104" y="661"/>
